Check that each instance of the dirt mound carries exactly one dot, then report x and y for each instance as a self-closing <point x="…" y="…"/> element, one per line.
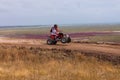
<point x="101" y="51"/>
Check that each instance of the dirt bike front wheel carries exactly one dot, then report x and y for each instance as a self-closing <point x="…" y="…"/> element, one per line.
<point x="63" y="40"/>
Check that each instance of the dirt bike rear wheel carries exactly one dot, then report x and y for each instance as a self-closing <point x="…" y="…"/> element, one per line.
<point x="49" y="42"/>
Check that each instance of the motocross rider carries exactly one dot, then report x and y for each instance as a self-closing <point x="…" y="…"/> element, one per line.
<point x="54" y="31"/>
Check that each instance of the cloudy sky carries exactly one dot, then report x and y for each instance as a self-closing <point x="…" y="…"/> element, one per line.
<point x="36" y="12"/>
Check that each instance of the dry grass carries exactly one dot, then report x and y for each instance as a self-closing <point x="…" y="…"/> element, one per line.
<point x="34" y="63"/>
<point x="105" y="38"/>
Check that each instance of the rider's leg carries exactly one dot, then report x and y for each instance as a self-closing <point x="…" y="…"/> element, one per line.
<point x="53" y="37"/>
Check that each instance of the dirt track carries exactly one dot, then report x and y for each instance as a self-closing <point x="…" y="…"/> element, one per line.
<point x="101" y="51"/>
<point x="83" y="47"/>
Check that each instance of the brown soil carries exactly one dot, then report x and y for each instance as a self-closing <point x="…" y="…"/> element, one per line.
<point x="98" y="50"/>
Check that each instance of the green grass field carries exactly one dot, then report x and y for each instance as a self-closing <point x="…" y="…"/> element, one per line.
<point x="105" y="38"/>
<point x="68" y="29"/>
<point x="65" y="29"/>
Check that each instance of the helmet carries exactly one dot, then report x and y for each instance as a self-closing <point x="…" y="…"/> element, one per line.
<point x="55" y="26"/>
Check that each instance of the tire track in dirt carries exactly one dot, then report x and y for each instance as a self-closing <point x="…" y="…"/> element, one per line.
<point x="101" y="51"/>
<point x="103" y="48"/>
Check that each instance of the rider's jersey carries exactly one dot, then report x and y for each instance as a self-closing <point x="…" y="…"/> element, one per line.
<point x="54" y="31"/>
